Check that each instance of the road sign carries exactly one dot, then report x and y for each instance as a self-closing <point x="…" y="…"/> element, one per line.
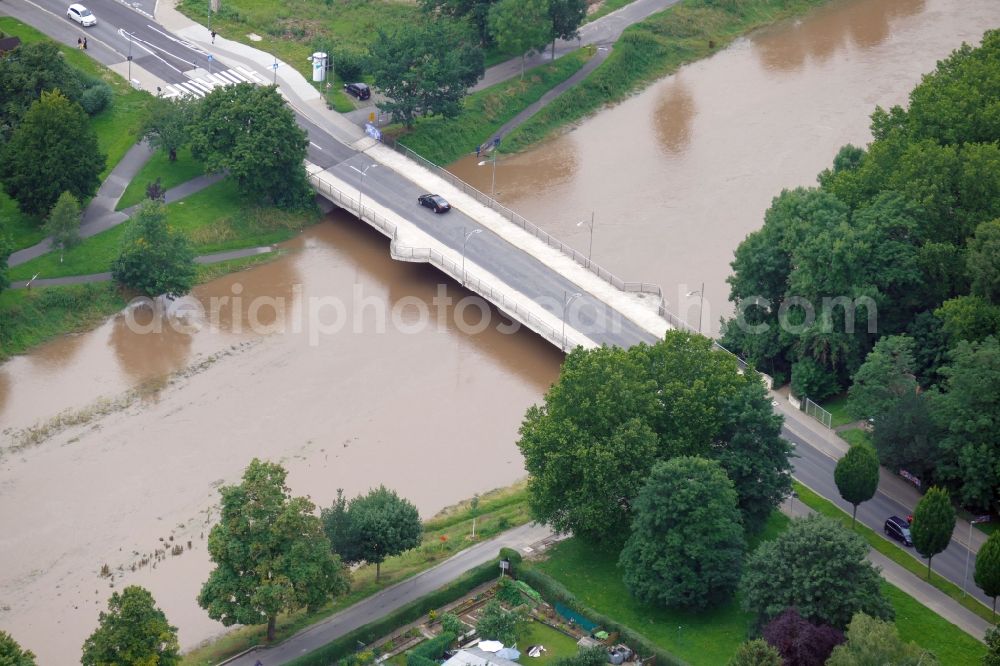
<point x="210" y="58"/>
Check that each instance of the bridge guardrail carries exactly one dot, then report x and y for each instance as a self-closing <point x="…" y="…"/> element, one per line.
<point x="444" y="264"/>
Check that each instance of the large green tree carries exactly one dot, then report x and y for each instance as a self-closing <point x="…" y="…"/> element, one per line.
<point x="28" y="71"/>
<point x="12" y="654"/>
<point x="856" y="476"/>
<point x="886" y="375"/>
<point x="874" y="641"/>
<point x="168" y="125"/>
<point x="521" y="26"/>
<point x="250" y="132"/>
<point x="905" y="436"/>
<point x="992" y="656"/>
<point x="613" y="413"/>
<point x="983" y="260"/>
<point x="5" y="249"/>
<point x="820" y="568"/>
<point x="132" y="631"/>
<point x="270" y="553"/>
<point x="425" y="69"/>
<point x="968" y="412"/>
<point x="63" y="223"/>
<point x="987" y="574"/>
<point x="687" y="543"/>
<point x="53" y="150"/>
<point x="153" y="258"/>
<point x="475" y="12"/>
<point x="497" y="623"/>
<point x="933" y="523"/>
<point x="756" y="653"/>
<point x="379" y="524"/>
<point x="566" y="16"/>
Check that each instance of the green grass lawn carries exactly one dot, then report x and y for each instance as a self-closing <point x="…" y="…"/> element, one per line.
<point x="29" y="317"/>
<point x="443" y="141"/>
<point x="838" y="410"/>
<point x="932" y="632"/>
<point x="709" y="637"/>
<point x="557" y="644"/>
<point x="891" y="550"/>
<point x="856" y="436"/>
<point x="159" y="166"/>
<point x="499" y="510"/>
<point x="215" y="219"/>
<point x="22" y="230"/>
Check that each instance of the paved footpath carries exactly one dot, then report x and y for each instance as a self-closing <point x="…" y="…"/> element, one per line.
<point x="525" y="539"/>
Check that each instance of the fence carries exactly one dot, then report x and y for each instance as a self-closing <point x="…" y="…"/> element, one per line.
<point x="512" y="308"/>
<point x="817" y="412"/>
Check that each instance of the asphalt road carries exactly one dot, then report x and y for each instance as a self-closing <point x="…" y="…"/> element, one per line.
<point x="815" y="469"/>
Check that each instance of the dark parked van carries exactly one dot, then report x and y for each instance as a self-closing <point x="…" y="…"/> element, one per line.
<point x="898" y="529"/>
<point x="359" y="90"/>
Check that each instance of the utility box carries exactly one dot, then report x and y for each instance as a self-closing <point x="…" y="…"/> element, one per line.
<point x="319" y="66"/>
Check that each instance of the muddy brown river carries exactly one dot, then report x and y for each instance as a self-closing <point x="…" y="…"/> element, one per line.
<point x="349" y="369"/>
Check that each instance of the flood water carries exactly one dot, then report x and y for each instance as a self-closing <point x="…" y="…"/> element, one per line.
<point x="679" y="174"/>
<point x="676" y="176"/>
<point x="415" y="404"/>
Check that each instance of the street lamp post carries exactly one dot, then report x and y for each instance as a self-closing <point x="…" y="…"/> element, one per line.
<point x="464" y="243"/>
<point x="130" y="35"/>
<point x="968" y="555"/>
<point x="590" y="249"/>
<point x="363" y="173"/>
<point x="493" y="183"/>
<point x="701" y="303"/>
<point x="567" y="299"/>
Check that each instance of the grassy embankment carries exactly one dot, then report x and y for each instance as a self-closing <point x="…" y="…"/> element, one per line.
<point x="159" y="166"/>
<point x="711" y="637"/>
<point x="484" y="112"/>
<point x="652" y="49"/>
<point x="444" y="535"/>
<point x="117" y="127"/>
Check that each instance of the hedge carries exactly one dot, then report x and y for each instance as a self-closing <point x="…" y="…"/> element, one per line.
<point x="428" y="652"/>
<point x="554" y="591"/>
<point x="337" y="649"/>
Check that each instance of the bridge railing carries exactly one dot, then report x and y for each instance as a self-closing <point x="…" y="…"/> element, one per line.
<point x="446" y="265"/>
<point x="534" y="230"/>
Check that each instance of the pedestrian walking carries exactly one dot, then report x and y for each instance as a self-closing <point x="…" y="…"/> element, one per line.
<point x="79" y="42"/>
<point x="213" y="36"/>
<point x="84" y="43"/>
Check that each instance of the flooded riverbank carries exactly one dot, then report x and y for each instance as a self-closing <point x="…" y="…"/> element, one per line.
<point x="679" y="174"/>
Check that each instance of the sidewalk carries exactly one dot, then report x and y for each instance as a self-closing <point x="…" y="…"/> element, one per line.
<point x="830" y="443"/>
<point x="922" y="591"/>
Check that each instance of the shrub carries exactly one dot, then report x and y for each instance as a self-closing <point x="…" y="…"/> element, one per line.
<point x="97" y="98"/>
<point x="349" y="65"/>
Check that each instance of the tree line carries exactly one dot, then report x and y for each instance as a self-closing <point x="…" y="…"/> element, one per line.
<point x="907" y="229"/>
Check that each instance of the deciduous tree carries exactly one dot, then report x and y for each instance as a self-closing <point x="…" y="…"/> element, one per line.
<point x="153" y="258"/>
<point x="63" y="225"/>
<point x="756" y="653"/>
<point x="873" y="641"/>
<point x="53" y="150"/>
<point x="168" y="125"/>
<point x="933" y="523"/>
<point x="496" y="623"/>
<point x="521" y="26"/>
<point x="800" y="642"/>
<point x="425" y="69"/>
<point x="28" y="71"/>
<point x="992" y="657"/>
<point x="5" y="250"/>
<point x="983" y="259"/>
<point x="856" y="476"/>
<point x="250" y="132"/>
<point x="906" y="436"/>
<point x="270" y="553"/>
<point x="12" y="654"/>
<point x="886" y="375"/>
<point x="987" y="574"/>
<point x="687" y="543"/>
<point x="566" y="17"/>
<point x="820" y="568"/>
<point x="132" y="631"/>
<point x="379" y="525"/>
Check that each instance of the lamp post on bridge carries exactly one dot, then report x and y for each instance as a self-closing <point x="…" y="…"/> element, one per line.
<point x="590" y="249"/>
<point x="363" y="173"/>
<point x="701" y="303"/>
<point x="567" y="299"/>
<point x="464" y="243"/>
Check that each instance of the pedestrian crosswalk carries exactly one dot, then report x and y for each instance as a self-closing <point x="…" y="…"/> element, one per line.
<point x="202" y="85"/>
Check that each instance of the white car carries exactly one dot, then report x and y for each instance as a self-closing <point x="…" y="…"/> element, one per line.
<point x="81" y="15"/>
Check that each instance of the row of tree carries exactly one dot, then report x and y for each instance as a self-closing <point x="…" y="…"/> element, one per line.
<point x="907" y="232"/>
<point x="426" y="69"/>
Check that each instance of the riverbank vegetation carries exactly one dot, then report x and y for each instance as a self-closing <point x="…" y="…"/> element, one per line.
<point x="906" y="234"/>
<point x="445" y="534"/>
<point x="651" y="49"/>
